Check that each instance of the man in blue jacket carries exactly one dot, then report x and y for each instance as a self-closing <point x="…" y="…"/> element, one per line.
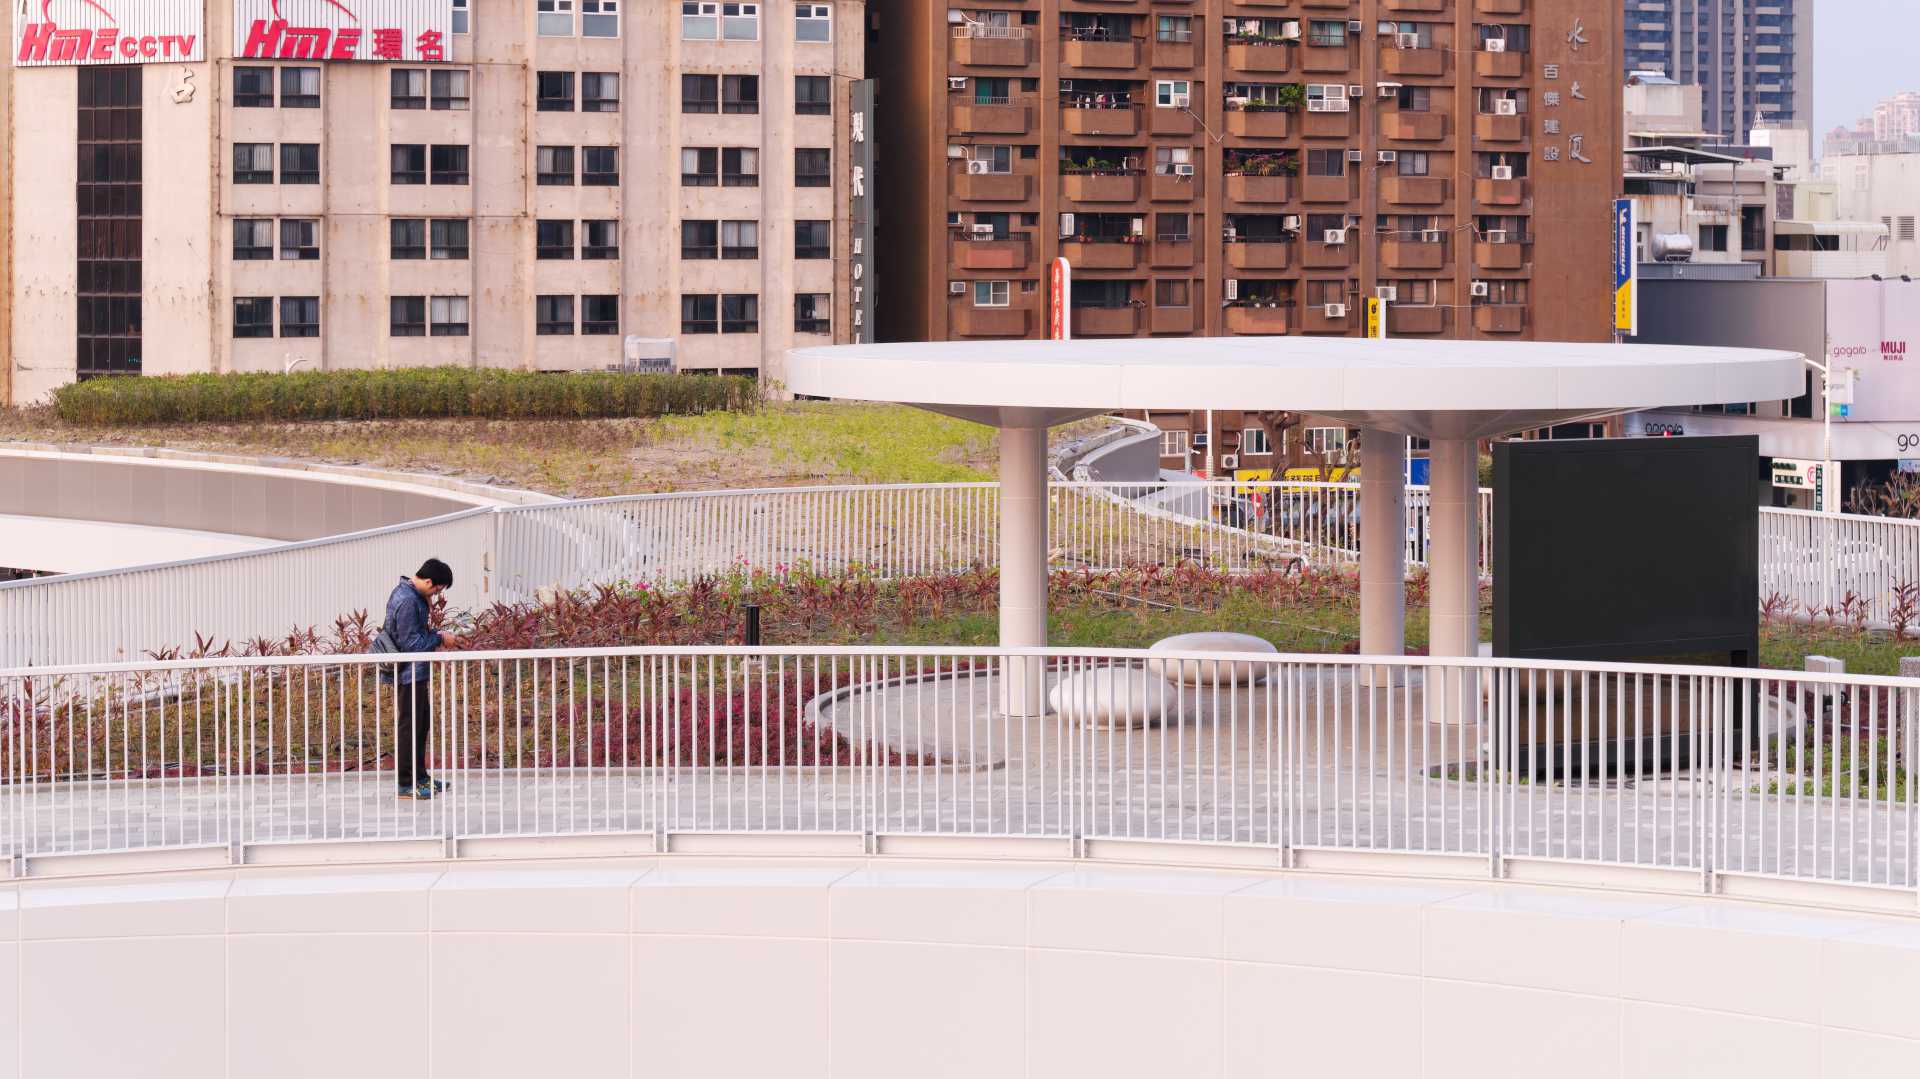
<point x="408" y="628"/>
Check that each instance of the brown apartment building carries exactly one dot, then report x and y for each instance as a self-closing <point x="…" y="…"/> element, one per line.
<point x="1248" y="167"/>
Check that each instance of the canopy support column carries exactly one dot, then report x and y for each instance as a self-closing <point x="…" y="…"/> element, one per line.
<point x="1383" y="543"/>
<point x="1023" y="566"/>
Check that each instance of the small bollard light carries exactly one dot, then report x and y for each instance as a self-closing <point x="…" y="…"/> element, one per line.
<point x="752" y="634"/>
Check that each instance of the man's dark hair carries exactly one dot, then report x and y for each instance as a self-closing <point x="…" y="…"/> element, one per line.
<point x="436" y="571"/>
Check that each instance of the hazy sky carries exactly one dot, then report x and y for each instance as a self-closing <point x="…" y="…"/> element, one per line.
<point x="1862" y="51"/>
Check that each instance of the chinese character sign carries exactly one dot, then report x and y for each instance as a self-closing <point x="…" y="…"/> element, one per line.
<point x="411" y="31"/>
<point x="49" y="33"/>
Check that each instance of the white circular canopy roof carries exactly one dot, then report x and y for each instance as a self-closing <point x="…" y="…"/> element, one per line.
<point x="1429" y="389"/>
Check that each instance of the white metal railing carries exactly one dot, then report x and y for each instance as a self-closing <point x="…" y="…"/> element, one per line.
<point x="1707" y="775"/>
<point x="987" y="31"/>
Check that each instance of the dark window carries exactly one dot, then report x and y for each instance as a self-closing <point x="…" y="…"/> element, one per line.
<point x="107" y="312"/>
<point x="699" y="93"/>
<point x="553" y="165"/>
<point x="407" y="316"/>
<point x="450" y="88"/>
<point x="449" y="316"/>
<point x="449" y="237"/>
<point x="740" y="93"/>
<point x="813" y="239"/>
<point x="407" y="238"/>
<point x="300" y="238"/>
<point x="554" y="91"/>
<point x="600" y="166"/>
<point x="553" y="315"/>
<point x="253" y="88"/>
<point x="449" y="164"/>
<point x="407" y="88"/>
<point x="599" y="314"/>
<point x="740" y="314"/>
<point x="699" y="239"/>
<point x="299" y="87"/>
<point x="409" y="163"/>
<point x="600" y="239"/>
<point x="600" y="92"/>
<point x="553" y="239"/>
<point x="739" y="239"/>
<point x="699" y="167"/>
<point x="253" y="162"/>
<point x="253" y="316"/>
<point x="811" y="168"/>
<point x="1326" y="162"/>
<point x="813" y="95"/>
<point x="813" y="313"/>
<point x="299" y="162"/>
<point x="700" y="314"/>
<point x="252" y="238"/>
<point x="299" y="316"/>
<point x="740" y="167"/>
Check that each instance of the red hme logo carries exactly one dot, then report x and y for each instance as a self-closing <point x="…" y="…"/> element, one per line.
<point x="1893" y="350"/>
<point x="274" y="39"/>
<point x="45" y="41"/>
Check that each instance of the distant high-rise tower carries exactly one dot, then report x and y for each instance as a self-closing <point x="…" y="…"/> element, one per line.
<point x="1754" y="57"/>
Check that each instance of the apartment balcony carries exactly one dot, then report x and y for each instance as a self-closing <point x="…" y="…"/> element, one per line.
<point x="1259" y="189"/>
<point x="1326" y="59"/>
<point x="990" y="118"/>
<point x="1259" y="123"/>
<point x="1413" y="319"/>
<point x="1174" y="54"/>
<point x="1489" y="192"/>
<point x="1259" y="57"/>
<point x="1314" y="319"/>
<point x="970" y="321"/>
<point x="1502" y="256"/>
<point x="1013" y="253"/>
<point x="1415" y="5"/>
<point x="1122" y="122"/>
<point x="1171" y="121"/>
<point x="1257" y="321"/>
<point x="1341" y="4"/>
<point x="1489" y="127"/>
<point x="1500" y="7"/>
<point x="1101" y="54"/>
<point x="1327" y="189"/>
<point x="1106" y="321"/>
<point x="1500" y="318"/>
<point x="1396" y="61"/>
<point x="1101" y="186"/>
<point x="1100" y="254"/>
<point x="1009" y="51"/>
<point x="1172" y="254"/>
<point x="1168" y="187"/>
<point x="1412" y="255"/>
<point x="1499" y="65"/>
<point x="1175" y="319"/>
<point x="1265" y="3"/>
<point x="1315" y="255"/>
<point x="1413" y="126"/>
<point x="1258" y="254"/>
<point x="993" y="187"/>
<point x="1413" y="190"/>
<point x="1329" y="125"/>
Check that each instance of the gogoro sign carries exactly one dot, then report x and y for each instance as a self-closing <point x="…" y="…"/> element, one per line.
<point x="72" y="33"/>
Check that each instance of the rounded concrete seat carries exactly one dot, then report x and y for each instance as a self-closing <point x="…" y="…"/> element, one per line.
<point x="1196" y="672"/>
<point x="1111" y="697"/>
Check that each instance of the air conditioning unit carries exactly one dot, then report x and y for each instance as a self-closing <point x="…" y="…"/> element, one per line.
<point x="1389" y="89"/>
<point x="956" y="152"/>
<point x="1336" y="310"/>
<point x="1066" y="224"/>
<point x="1229" y="460"/>
<point x="1181" y="101"/>
<point x="1480" y="289"/>
<point x="1200" y="439"/>
<point x="1231" y="233"/>
<point x="982" y="230"/>
<point x="1389" y="156"/>
<point x="979" y="168"/>
<point x="1355" y="90"/>
<point x="1291" y="222"/>
<point x="1355" y="26"/>
<point x="1233" y="288"/>
<point x="1334" y="237"/>
<point x="957" y="82"/>
<point x="1388" y="293"/>
<point x="1356" y="156"/>
<point x="1183" y="169"/>
<point x="1290" y="32"/>
<point x="1496" y="44"/>
<point x="956" y="288"/>
<point x="1429" y="236"/>
<point x="1239" y="102"/>
<point x="1506" y="106"/>
<point x="1497" y="236"/>
<point x="1407" y="41"/>
<point x="1503" y="172"/>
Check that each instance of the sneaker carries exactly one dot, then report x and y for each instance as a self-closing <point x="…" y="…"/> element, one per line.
<point x="440" y="785"/>
<point x="421" y="793"/>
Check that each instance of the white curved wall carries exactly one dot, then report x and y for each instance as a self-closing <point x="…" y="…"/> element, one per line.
<point x="61" y="545"/>
<point x="728" y="968"/>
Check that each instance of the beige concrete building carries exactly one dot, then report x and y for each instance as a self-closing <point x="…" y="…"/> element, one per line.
<point x="577" y="173"/>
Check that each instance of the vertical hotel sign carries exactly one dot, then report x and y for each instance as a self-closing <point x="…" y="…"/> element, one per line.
<point x="860" y="213"/>
<point x="410" y="31"/>
<point x="71" y="33"/>
<point x="1626" y="271"/>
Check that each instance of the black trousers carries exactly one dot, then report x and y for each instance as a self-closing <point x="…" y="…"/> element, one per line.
<point x="412" y="724"/>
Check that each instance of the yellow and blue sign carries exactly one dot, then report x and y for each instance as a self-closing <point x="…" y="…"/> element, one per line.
<point x="1626" y="270"/>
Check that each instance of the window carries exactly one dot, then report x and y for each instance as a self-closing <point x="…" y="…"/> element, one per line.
<point x="409" y="165"/>
<point x="813" y="239"/>
<point x="253" y="88"/>
<point x="1167" y="159"/>
<point x="600" y="239"/>
<point x="299" y="238"/>
<point x="699" y="239"/>
<point x="813" y="22"/>
<point x="1321" y="293"/>
<point x="553" y="316"/>
<point x="811" y="167"/>
<point x="600" y="92"/>
<point x="740" y="314"/>
<point x="1173" y="443"/>
<point x="1318" y="225"/>
<point x="553" y="91"/>
<point x="599" y="18"/>
<point x="299" y="316"/>
<point x="998" y="159"/>
<point x="1505" y="292"/>
<point x="1326" y="440"/>
<point x="252" y="239"/>
<point x="699" y="93"/>
<point x="299" y="87"/>
<point x="450" y="89"/>
<point x="253" y="162"/>
<point x="740" y="167"/>
<point x="1327" y="33"/>
<point x="553" y="166"/>
<point x="739" y="239"/>
<point x="813" y="312"/>
<point x="812" y="95"/>
<point x="739" y="22"/>
<point x="1422" y="32"/>
<point x="449" y="316"/>
<point x="992" y="293"/>
<point x="699" y="314"/>
<point x="554" y="17"/>
<point x="699" y="167"/>
<point x="1490" y="98"/>
<point x="1515" y="36"/>
<point x="407" y="238"/>
<point x="553" y="239"/>
<point x="599" y="315"/>
<point x="1254" y="440"/>
<point x="1326" y="162"/>
<point x="462" y="18"/>
<point x="1418" y="291"/>
<point x="253" y="316"/>
<point x="1414" y="98"/>
<point x="407" y="88"/>
<point x="449" y="164"/>
<point x="1484" y="164"/>
<point x="600" y="166"/>
<point x="1172" y="93"/>
<point x="449" y="238"/>
<point x="407" y="316"/>
<point x="1171" y="228"/>
<point x="299" y="162"/>
<point x="1411" y="162"/>
<point x="699" y="21"/>
<point x="740" y="94"/>
<point x="1175" y="28"/>
<point x="1170" y="294"/>
<point x="1713" y="237"/>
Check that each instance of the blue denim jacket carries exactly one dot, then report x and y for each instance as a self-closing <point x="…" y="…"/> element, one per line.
<point x="407" y="623"/>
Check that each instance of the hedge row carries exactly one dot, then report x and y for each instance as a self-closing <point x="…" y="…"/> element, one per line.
<point x="410" y="393"/>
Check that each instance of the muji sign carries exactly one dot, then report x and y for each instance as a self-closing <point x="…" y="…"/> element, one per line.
<point x="413" y="31"/>
<point x="49" y="33"/>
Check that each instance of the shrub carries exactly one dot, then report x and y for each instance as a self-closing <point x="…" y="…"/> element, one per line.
<point x="410" y="393"/>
